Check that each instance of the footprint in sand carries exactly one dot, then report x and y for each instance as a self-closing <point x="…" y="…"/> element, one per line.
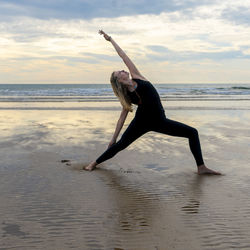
<point x="75" y="165"/>
<point x="129" y="171"/>
<point x="63" y="161"/>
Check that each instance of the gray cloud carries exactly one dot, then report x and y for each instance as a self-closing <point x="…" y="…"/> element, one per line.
<point x="90" y="58"/>
<point x="28" y="31"/>
<point x="161" y="53"/>
<point x="240" y="15"/>
<point x="88" y="9"/>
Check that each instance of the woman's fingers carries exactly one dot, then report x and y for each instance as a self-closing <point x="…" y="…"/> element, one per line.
<point x="101" y="32"/>
<point x="107" y="37"/>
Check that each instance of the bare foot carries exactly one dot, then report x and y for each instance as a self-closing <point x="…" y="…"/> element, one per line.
<point x="80" y="165"/>
<point x="91" y="166"/>
<point x="202" y="169"/>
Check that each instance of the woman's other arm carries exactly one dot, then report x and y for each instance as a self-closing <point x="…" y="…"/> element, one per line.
<point x="119" y="126"/>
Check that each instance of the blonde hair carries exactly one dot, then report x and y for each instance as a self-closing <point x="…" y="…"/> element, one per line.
<point x="121" y="92"/>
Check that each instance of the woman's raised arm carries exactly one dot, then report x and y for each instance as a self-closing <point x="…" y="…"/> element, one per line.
<point x="132" y="68"/>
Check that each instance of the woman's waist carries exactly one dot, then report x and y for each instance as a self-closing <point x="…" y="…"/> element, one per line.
<point x="150" y="112"/>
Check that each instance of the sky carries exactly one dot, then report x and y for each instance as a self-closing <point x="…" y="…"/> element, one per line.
<point x="170" y="41"/>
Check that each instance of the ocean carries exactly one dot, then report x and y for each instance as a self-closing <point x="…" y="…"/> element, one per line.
<point x="74" y="94"/>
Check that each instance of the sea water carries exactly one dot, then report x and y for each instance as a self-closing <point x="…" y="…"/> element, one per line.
<point x="76" y="94"/>
<point x="103" y="90"/>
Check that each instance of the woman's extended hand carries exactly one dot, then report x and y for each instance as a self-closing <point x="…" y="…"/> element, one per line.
<point x="108" y="38"/>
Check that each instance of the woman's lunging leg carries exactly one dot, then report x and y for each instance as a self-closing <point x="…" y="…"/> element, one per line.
<point x="133" y="132"/>
<point x="175" y="128"/>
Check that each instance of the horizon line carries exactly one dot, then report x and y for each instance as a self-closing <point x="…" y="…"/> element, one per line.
<point x="109" y="83"/>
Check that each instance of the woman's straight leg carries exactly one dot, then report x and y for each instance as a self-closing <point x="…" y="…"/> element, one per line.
<point x="174" y="128"/>
<point x="133" y="132"/>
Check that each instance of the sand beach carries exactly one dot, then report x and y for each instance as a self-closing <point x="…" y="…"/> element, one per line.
<point x="147" y="197"/>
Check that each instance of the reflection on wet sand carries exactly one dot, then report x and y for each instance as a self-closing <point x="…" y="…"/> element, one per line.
<point x="193" y="192"/>
<point x="136" y="207"/>
<point x="141" y="211"/>
<point x="143" y="198"/>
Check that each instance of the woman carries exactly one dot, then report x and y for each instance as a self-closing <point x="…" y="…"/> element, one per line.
<point x="150" y="115"/>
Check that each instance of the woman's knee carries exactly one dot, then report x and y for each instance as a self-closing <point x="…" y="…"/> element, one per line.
<point x="194" y="132"/>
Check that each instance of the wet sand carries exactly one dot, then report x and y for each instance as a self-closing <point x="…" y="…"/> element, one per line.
<point x="147" y="197"/>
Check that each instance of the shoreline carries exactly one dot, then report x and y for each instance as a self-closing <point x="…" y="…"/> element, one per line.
<point x="98" y="104"/>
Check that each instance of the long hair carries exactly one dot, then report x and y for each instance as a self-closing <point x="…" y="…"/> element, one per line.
<point x="121" y="92"/>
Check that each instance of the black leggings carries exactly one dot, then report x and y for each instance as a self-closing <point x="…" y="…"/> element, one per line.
<point x="166" y="126"/>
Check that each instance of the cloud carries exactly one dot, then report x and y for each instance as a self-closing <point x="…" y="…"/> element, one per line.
<point x="70" y="60"/>
<point x="42" y="36"/>
<point x="240" y="15"/>
<point x="89" y="9"/>
<point x="162" y="53"/>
